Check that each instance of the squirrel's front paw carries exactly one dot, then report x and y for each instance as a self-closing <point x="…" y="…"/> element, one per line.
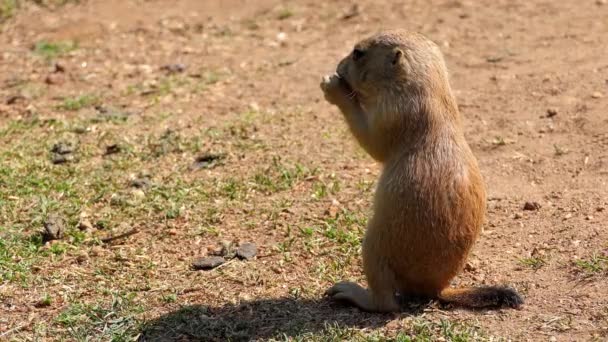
<point x="334" y="89"/>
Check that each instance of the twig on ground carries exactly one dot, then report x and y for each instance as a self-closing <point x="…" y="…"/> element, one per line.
<point x="119" y="236"/>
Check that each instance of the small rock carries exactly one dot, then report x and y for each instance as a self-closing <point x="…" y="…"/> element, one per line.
<point x="227" y="250"/>
<point x="63" y="148"/>
<point x="101" y="225"/>
<point x="334" y="209"/>
<point x="589" y="218"/>
<point x="352" y="12"/>
<point x="551" y="112"/>
<point x="97" y="251"/>
<point x="14" y="99"/>
<point x="282" y="37"/>
<point x="54" y="79"/>
<point x="138" y="194"/>
<point x="517" y="216"/>
<point x="141" y="183"/>
<point x="471" y="265"/>
<point x="600" y="209"/>
<point x="532" y="206"/>
<point x="58" y="68"/>
<point x="246" y="251"/>
<point x="54" y="227"/>
<point x="82" y="258"/>
<point x="207" y="161"/>
<point x="207" y="263"/>
<point x="62" y="158"/>
<point x="173" y="68"/>
<point x="85" y="225"/>
<point x="43" y="303"/>
<point x="112" y="149"/>
<point x="597" y="95"/>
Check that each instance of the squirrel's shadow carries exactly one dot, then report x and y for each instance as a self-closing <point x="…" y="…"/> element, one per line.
<point x="260" y="320"/>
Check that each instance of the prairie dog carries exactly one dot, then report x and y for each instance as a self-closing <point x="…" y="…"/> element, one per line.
<point x="429" y="206"/>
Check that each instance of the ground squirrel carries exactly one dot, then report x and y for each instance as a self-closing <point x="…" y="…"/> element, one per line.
<point x="429" y="205"/>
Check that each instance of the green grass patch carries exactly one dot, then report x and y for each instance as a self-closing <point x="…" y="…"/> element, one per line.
<point x="78" y="102"/>
<point x="533" y="262"/>
<point x="593" y="265"/>
<point x="51" y="50"/>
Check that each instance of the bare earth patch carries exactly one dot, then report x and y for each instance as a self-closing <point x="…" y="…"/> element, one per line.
<point x="155" y="131"/>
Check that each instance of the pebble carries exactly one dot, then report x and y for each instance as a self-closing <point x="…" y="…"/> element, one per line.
<point x="207" y="161"/>
<point x="174" y="68"/>
<point x="62" y="158"/>
<point x="138" y="194"/>
<point x="532" y="206"/>
<point x="54" y="227"/>
<point x="597" y="95"/>
<point x="63" y="148"/>
<point x="207" y="263"/>
<point x="52" y="79"/>
<point x="141" y="183"/>
<point x="85" y="225"/>
<point x="112" y="149"/>
<point x="551" y="112"/>
<point x="247" y="251"/>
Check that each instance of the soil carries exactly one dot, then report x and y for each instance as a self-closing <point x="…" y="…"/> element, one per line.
<point x="531" y="80"/>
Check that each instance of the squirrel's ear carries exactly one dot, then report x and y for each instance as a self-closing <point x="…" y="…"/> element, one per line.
<point x="397" y="56"/>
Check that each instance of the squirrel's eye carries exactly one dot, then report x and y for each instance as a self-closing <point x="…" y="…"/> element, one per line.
<point x="357" y="54"/>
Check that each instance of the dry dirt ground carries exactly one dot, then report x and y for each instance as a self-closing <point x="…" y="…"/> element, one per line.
<point x="138" y="90"/>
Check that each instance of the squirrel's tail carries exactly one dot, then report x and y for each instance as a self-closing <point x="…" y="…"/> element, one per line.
<point x="482" y="297"/>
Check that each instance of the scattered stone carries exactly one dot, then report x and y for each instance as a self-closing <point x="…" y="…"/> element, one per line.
<point x="597" y="95"/>
<point x="138" y="194"/>
<point x="227" y="250"/>
<point x="247" y="251"/>
<point x="85" y="225"/>
<point x="63" y="148"/>
<point x="81" y="129"/>
<point x="600" y="209"/>
<point x="334" y="209"/>
<point x="207" y="161"/>
<point x="471" y="265"/>
<point x="112" y="149"/>
<point x="54" y="228"/>
<point x="62" y="158"/>
<point x="52" y="79"/>
<point x="101" y="225"/>
<point x="533" y="206"/>
<point x="43" y="303"/>
<point x="551" y="112"/>
<point x="352" y="12"/>
<point x="58" y="68"/>
<point x="589" y="218"/>
<point x="282" y="37"/>
<point x="97" y="251"/>
<point x="141" y="183"/>
<point x="14" y="99"/>
<point x="207" y="263"/>
<point x="173" y="68"/>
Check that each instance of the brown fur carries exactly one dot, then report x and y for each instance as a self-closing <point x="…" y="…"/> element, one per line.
<point x="429" y="206"/>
